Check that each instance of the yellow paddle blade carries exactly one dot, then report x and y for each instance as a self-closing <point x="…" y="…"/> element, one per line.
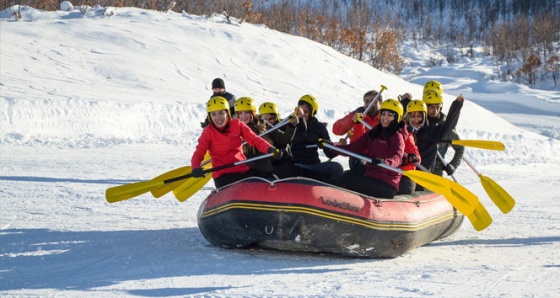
<point x="188" y="183"/>
<point x="463" y="199"/>
<point x="161" y="191"/>
<point x="127" y="191"/>
<point x="499" y="196"/>
<point x="190" y="187"/>
<point x="482" y="144"/>
<point x="460" y="197"/>
<point x="480" y="218"/>
<point x="429" y="181"/>
<point x="474" y="210"/>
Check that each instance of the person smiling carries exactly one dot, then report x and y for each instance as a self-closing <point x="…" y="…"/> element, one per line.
<point x="223" y="139"/>
<point x="384" y="144"/>
<point x="354" y="128"/>
<point x="304" y="149"/>
<point x="246" y="111"/>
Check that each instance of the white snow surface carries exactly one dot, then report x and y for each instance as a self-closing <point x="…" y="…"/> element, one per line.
<point x="117" y="95"/>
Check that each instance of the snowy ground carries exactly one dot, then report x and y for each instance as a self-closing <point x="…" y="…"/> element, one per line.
<point x="87" y="103"/>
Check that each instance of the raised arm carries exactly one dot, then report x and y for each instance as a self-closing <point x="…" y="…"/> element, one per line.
<point x="452" y="118"/>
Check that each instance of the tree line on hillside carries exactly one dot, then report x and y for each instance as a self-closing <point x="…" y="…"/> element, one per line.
<point x="521" y="36"/>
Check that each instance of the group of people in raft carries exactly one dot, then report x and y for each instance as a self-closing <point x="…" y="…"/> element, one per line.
<point x="405" y="133"/>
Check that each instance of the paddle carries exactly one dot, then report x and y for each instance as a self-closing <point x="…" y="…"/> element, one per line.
<point x="192" y="182"/>
<point x="190" y="187"/>
<point x="383" y="88"/>
<point x="161" y="191"/>
<point x="460" y="197"/>
<point x="481" y="144"/>
<point x="127" y="191"/>
<point x="371" y="104"/>
<point x="480" y="215"/>
<point x="497" y="194"/>
<point x="186" y="190"/>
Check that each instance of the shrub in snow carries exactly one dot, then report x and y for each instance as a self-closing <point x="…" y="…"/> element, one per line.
<point x="66" y="6"/>
<point x="16" y="12"/>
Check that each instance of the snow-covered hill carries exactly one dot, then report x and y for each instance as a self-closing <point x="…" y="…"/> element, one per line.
<point x="143" y="77"/>
<point x="87" y="102"/>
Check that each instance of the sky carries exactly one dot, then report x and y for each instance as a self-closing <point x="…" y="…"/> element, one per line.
<point x="116" y="96"/>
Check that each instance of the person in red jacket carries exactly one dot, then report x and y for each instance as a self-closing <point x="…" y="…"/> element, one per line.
<point x="384" y="144"/>
<point x="223" y="139"/>
<point x="351" y="121"/>
<point x="354" y="129"/>
<point x="410" y="157"/>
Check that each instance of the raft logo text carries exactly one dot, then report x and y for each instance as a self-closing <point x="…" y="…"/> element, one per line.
<point x="341" y="205"/>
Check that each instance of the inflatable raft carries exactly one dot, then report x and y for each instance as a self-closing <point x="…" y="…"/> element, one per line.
<point x="300" y="214"/>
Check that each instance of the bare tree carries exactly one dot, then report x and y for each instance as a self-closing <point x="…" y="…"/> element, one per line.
<point x="530" y="68"/>
<point x="543" y="32"/>
<point x="553" y="67"/>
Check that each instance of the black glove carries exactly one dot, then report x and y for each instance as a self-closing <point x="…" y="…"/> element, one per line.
<point x="449" y="169"/>
<point x="276" y="153"/>
<point x="330" y="153"/>
<point x="376" y="161"/>
<point x="412" y="159"/>
<point x="321" y="143"/>
<point x="197" y="172"/>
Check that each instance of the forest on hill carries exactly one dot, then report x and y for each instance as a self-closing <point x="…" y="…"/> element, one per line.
<point x="522" y="37"/>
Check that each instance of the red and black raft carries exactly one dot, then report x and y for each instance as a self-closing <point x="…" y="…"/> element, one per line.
<point x="300" y="214"/>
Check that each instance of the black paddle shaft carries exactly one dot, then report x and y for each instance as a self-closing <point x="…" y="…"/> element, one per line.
<point x="171" y="180"/>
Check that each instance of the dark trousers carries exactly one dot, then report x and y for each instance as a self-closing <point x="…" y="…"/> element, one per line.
<point x="357" y="166"/>
<point x="327" y="171"/>
<point x="226" y="179"/>
<point x="406" y="186"/>
<point x="367" y="186"/>
<point x="285" y="170"/>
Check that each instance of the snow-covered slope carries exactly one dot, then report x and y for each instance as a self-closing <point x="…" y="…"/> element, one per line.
<point x="143" y="77"/>
<point x="91" y="102"/>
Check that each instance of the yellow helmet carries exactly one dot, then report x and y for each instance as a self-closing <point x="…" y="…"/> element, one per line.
<point x="217" y="103"/>
<point x="433" y="85"/>
<point x="269" y="108"/>
<point x="310" y="99"/>
<point x="416" y="105"/>
<point x="432" y="97"/>
<point x="392" y="105"/>
<point x="245" y="104"/>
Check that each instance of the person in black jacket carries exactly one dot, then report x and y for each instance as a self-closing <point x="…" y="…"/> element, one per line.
<point x="285" y="167"/>
<point x="304" y="147"/>
<point x="246" y="111"/>
<point x="427" y="133"/>
<point x="434" y="115"/>
<point x="219" y="89"/>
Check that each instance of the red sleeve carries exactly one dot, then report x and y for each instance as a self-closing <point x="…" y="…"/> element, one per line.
<point x="411" y="148"/>
<point x="342" y="126"/>
<point x="201" y="148"/>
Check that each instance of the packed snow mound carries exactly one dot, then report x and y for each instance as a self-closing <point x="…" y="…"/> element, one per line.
<point x="66" y="6"/>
